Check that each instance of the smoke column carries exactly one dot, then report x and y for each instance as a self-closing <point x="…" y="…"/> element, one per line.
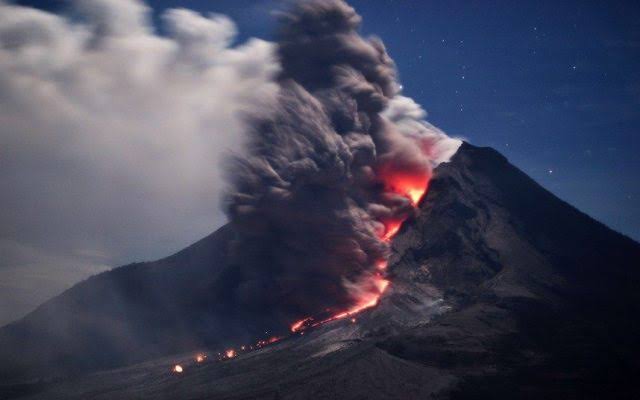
<point x="328" y="177"/>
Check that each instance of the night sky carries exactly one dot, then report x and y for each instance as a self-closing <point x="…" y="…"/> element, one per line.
<point x="554" y="86"/>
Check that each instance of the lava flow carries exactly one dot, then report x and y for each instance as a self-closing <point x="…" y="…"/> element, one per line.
<point x="391" y="229"/>
<point x="411" y="188"/>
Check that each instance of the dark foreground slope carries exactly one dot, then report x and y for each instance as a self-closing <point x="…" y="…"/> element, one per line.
<point x="499" y="290"/>
<point x="125" y="315"/>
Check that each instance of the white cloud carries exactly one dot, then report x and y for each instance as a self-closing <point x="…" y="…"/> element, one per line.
<point x="409" y="118"/>
<point x="111" y="135"/>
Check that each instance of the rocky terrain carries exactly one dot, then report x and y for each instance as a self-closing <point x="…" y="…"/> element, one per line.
<point x="499" y="290"/>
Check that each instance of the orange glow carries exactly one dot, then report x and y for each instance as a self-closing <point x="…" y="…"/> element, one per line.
<point x="391" y="229"/>
<point x="367" y="300"/>
<point x="272" y="339"/>
<point x="411" y="186"/>
<point x="415" y="195"/>
<point x="369" y="289"/>
<point x="300" y="325"/>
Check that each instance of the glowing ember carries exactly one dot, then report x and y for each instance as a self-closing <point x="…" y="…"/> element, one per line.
<point x="366" y="300"/>
<point x="391" y="228"/>
<point x="411" y="186"/>
<point x="177" y="369"/>
<point x="230" y="353"/>
<point x="300" y="325"/>
<point x="415" y="195"/>
<point x="200" y="358"/>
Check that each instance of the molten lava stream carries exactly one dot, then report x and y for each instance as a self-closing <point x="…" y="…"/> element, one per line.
<point x="391" y="229"/>
<point x="369" y="299"/>
<point x="411" y="187"/>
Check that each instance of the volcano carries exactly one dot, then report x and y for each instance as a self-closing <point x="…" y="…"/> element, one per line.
<point x="498" y="290"/>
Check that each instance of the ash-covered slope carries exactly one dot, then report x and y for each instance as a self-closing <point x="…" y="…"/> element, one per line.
<point x="499" y="290"/>
<point x="544" y="299"/>
<point x="133" y="313"/>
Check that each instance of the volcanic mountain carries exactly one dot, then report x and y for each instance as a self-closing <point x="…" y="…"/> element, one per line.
<point x="498" y="290"/>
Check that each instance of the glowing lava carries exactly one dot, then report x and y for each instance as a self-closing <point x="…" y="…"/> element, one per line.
<point x="415" y="195"/>
<point x="413" y="187"/>
<point x="391" y="229"/>
<point x="366" y="300"/>
<point x="300" y="325"/>
<point x="372" y="285"/>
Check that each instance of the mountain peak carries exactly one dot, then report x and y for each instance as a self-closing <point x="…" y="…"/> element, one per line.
<point x="498" y="288"/>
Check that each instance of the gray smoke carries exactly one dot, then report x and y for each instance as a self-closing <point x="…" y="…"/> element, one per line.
<point x="326" y="171"/>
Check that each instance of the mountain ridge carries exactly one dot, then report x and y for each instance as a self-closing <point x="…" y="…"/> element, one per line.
<point x="498" y="288"/>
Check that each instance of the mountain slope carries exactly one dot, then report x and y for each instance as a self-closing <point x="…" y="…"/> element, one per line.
<point x="545" y="298"/>
<point x="499" y="289"/>
<point x="127" y="314"/>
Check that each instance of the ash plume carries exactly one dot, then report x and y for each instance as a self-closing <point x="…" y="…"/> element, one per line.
<point x="340" y="160"/>
<point x="106" y="147"/>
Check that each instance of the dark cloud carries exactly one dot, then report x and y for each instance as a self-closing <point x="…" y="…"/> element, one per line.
<point x="111" y="138"/>
<point x="330" y="169"/>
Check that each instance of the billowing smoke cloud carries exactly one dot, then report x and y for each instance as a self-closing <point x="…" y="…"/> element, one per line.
<point x="111" y="136"/>
<point x="336" y="166"/>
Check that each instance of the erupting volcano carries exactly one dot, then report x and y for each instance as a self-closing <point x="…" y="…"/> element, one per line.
<point x="330" y="174"/>
<point x="367" y="255"/>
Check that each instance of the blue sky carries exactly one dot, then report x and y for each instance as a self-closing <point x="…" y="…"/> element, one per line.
<point x="555" y="86"/>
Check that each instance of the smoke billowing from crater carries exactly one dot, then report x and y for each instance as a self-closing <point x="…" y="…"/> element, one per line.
<point x="328" y="177"/>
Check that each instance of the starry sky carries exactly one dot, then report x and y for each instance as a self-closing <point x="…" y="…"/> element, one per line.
<point x="554" y="86"/>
